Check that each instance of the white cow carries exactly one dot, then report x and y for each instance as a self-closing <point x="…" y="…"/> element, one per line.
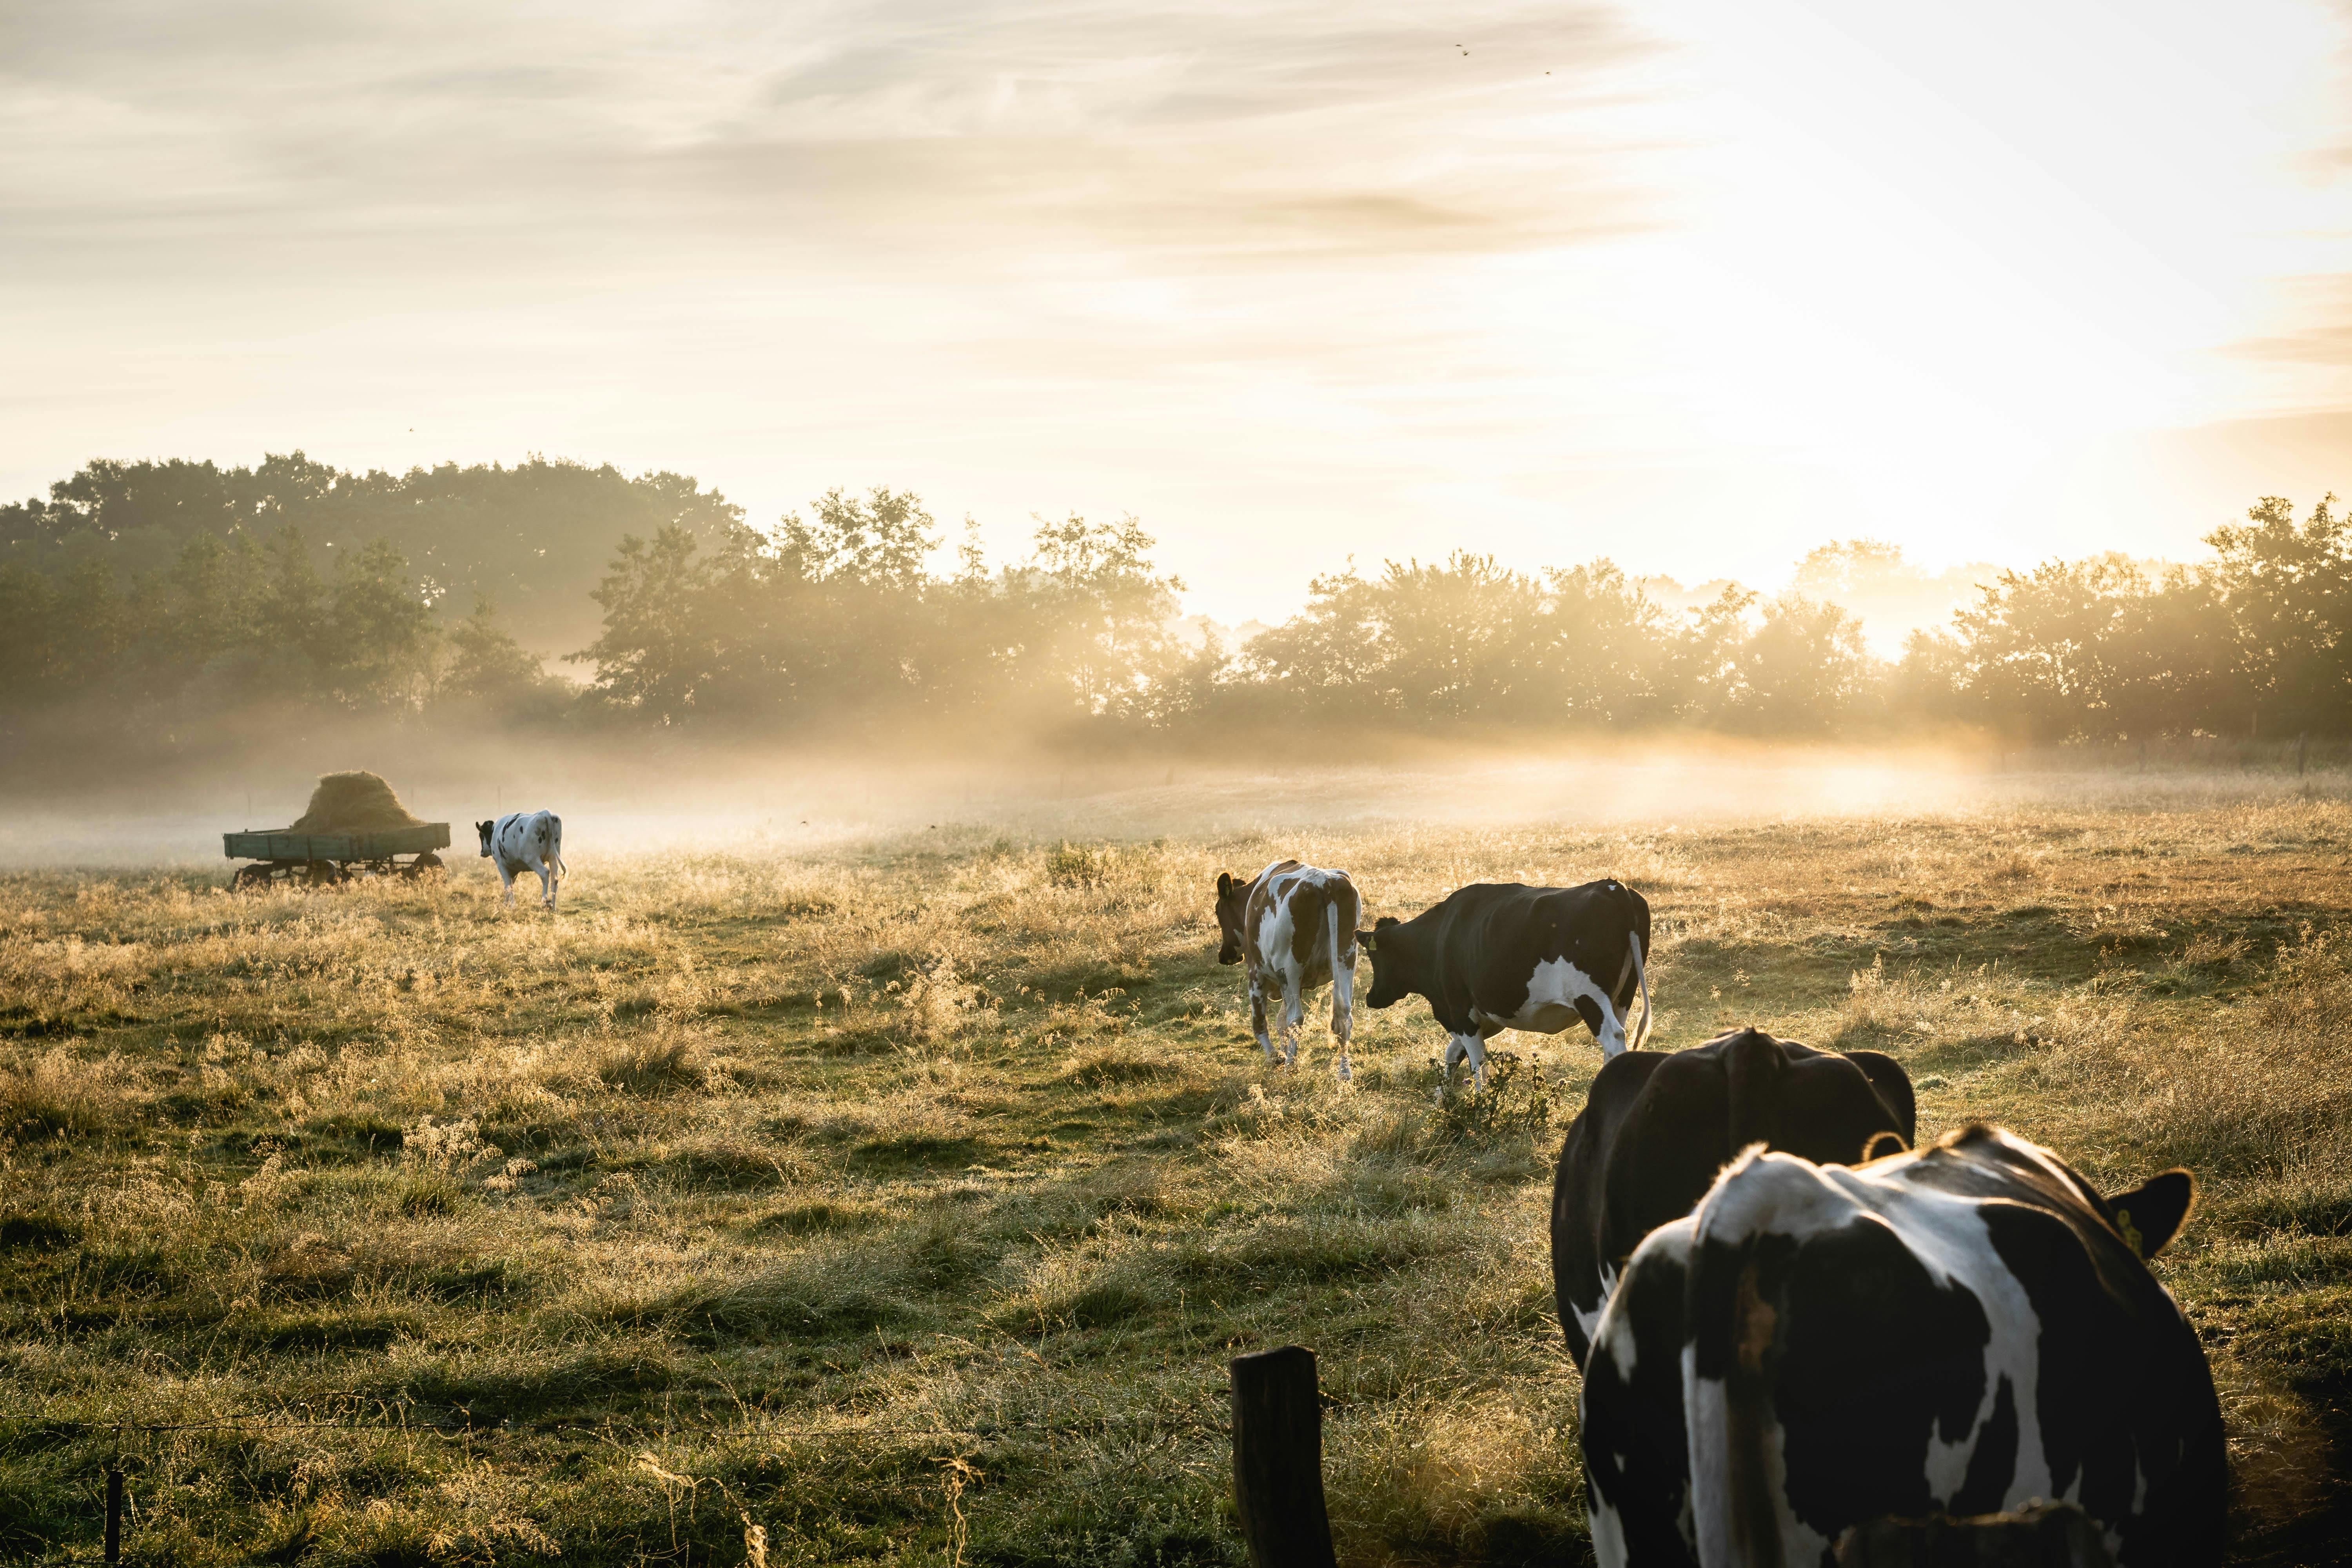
<point x="1295" y="927"/>
<point x="526" y="841"/>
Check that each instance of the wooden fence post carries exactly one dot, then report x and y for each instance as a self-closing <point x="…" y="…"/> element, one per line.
<point x="113" y="1514"/>
<point x="1278" y="1460"/>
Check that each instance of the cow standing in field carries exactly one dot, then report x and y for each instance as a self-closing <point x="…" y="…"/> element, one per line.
<point x="1502" y="955"/>
<point x="1958" y="1330"/>
<point x="526" y="841"/>
<point x="1292" y="927"/>
<point x="1656" y="1128"/>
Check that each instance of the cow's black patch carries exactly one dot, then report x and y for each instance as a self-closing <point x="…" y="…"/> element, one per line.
<point x="1636" y="1460"/>
<point x="2124" y="1403"/>
<point x="1993" y="1465"/>
<point x="1870" y="1358"/>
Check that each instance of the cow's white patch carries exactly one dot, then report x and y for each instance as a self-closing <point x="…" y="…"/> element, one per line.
<point x="1607" y="1531"/>
<point x="1614" y="1332"/>
<point x="1589" y="1323"/>
<point x="1946" y="1232"/>
<point x="1613" y="1335"/>
<point x="1552" y="994"/>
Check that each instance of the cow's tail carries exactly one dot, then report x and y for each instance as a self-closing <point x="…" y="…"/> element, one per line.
<point x="1733" y="1323"/>
<point x="1741" y="1481"/>
<point x="1343" y="975"/>
<point x="1641" y="974"/>
<point x="555" y="844"/>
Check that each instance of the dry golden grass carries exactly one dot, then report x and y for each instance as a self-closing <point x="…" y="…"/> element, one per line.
<point x="905" y="1201"/>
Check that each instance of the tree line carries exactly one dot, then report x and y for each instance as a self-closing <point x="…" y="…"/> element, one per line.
<point x="178" y="590"/>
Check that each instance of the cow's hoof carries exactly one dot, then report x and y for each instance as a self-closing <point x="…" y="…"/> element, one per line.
<point x="1344" y="1075"/>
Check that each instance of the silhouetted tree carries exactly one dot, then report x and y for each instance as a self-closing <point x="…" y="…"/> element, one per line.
<point x="2287" y="590"/>
<point x="1803" y="671"/>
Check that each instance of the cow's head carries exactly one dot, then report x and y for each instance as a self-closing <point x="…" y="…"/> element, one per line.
<point x="484" y="830"/>
<point x="1233" y="911"/>
<point x="1392" y="977"/>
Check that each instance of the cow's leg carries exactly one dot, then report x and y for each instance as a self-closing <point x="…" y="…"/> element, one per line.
<point x="1343" y="1013"/>
<point x="1294" y="1012"/>
<point x="506" y="876"/>
<point x="1341" y="956"/>
<point x="1457" y="1048"/>
<point x="1611" y="1030"/>
<point x="1606" y="1019"/>
<point x="1257" y="1011"/>
<point x="547" y="884"/>
<point x="1475" y="1046"/>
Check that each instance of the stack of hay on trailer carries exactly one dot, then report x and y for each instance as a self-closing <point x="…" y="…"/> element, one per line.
<point x="354" y="802"/>
<point x="355" y="825"/>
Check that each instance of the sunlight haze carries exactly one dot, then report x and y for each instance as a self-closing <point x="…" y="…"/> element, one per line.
<point x="1696" y="285"/>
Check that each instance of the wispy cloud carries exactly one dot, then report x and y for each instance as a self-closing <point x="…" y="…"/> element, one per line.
<point x="2321" y="309"/>
<point x="1211" y="133"/>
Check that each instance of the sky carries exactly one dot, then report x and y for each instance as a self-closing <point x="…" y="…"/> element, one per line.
<point x="1695" y="285"/>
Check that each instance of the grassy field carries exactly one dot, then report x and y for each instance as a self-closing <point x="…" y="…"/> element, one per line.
<point x="904" y="1201"/>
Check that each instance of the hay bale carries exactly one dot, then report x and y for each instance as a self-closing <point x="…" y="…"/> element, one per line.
<point x="353" y="803"/>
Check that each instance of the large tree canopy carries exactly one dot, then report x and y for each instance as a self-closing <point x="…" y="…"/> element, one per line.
<point x="179" y="587"/>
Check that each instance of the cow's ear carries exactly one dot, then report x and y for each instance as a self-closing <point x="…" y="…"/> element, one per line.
<point x="2153" y="1213"/>
<point x="1385" y="922"/>
<point x="1224" y="884"/>
<point x="1881" y="1146"/>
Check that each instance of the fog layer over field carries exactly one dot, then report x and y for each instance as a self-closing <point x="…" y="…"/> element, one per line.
<point x="648" y="801"/>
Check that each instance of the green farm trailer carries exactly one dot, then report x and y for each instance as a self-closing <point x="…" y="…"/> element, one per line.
<point x="324" y="859"/>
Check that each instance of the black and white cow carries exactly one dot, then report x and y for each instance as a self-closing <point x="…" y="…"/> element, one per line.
<point x="526" y="841"/>
<point x="1503" y="955"/>
<point x="1959" y="1329"/>
<point x="1292" y="927"/>
<point x="1656" y="1128"/>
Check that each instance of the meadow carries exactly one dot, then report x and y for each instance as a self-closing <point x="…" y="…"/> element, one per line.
<point x="902" y="1198"/>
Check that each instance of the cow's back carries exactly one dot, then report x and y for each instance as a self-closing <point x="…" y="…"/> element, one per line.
<point x="1492" y="932"/>
<point x="1657" y="1128"/>
<point x="1301" y="917"/>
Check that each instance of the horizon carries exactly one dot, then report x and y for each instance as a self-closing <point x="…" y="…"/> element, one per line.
<point x="1696" y="288"/>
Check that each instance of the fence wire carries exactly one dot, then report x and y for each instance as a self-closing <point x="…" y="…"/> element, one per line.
<point x="405" y="1422"/>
